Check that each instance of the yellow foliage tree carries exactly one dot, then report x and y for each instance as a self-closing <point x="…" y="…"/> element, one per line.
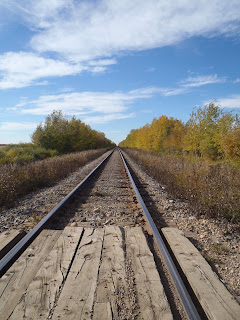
<point x="210" y="133"/>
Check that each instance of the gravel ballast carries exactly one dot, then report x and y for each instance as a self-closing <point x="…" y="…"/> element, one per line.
<point x="218" y="241"/>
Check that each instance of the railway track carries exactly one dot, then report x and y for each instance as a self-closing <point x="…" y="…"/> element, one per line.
<point x="98" y="228"/>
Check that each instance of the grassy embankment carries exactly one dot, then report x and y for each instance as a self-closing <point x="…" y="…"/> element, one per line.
<point x="212" y="189"/>
<point x="23" y="152"/>
<point x="21" y="177"/>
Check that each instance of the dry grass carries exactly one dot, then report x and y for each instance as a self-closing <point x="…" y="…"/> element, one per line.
<point x="211" y="189"/>
<point x="18" y="180"/>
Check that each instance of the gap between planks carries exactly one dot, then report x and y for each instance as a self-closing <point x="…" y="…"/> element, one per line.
<point x="215" y="299"/>
<point x="112" y="276"/>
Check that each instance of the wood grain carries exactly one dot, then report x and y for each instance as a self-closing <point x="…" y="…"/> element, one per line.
<point x="39" y="298"/>
<point x="76" y="299"/>
<point x="215" y="299"/>
<point x="16" y="280"/>
<point x="152" y="300"/>
<point x="112" y="289"/>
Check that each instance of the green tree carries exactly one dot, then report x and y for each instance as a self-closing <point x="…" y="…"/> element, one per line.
<point x="67" y="135"/>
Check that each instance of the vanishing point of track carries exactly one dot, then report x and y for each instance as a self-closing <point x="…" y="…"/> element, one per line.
<point x="70" y="214"/>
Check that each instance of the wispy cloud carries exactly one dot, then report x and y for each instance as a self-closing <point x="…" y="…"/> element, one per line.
<point x="86" y="30"/>
<point x="21" y="69"/>
<point x="93" y="107"/>
<point x="17" y="126"/>
<point x="184" y="86"/>
<point x="89" y="36"/>
<point x="100" y="106"/>
<point x="150" y="91"/>
<point x="105" y="103"/>
<point x="167" y="92"/>
<point x="79" y="103"/>
<point x="199" y="81"/>
<point x="107" y="28"/>
<point x="109" y="117"/>
<point x="230" y="102"/>
<point x="237" y="80"/>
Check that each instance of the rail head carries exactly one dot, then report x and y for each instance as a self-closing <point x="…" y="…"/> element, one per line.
<point x="184" y="296"/>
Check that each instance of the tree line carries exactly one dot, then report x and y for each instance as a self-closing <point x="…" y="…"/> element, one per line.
<point x="68" y="135"/>
<point x="210" y="133"/>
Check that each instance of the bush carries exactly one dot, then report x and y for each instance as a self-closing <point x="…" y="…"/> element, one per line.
<point x="17" y="180"/>
<point x="24" y="152"/>
<point x="68" y="135"/>
<point x="211" y="189"/>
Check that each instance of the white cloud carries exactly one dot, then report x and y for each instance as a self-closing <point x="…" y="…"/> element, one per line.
<point x="103" y="62"/>
<point x="109" y="117"/>
<point x="199" y="81"/>
<point x="86" y="30"/>
<point x="167" y="92"/>
<point x="150" y="91"/>
<point x="38" y="13"/>
<point x="20" y="69"/>
<point x="230" y="102"/>
<point x="17" y="126"/>
<point x="79" y="103"/>
<point x="237" y="80"/>
<point x="83" y="103"/>
<point x="87" y="36"/>
<point x="145" y="92"/>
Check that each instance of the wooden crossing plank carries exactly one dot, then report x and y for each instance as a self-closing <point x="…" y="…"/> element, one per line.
<point x="152" y="300"/>
<point x="102" y="310"/>
<point x="76" y="299"/>
<point x="215" y="299"/>
<point x="8" y="239"/>
<point x="15" y="281"/>
<point x="112" y="290"/>
<point x="38" y="300"/>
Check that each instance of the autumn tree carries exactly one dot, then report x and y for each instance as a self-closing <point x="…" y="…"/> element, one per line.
<point x="206" y="130"/>
<point x="232" y="144"/>
<point x="210" y="132"/>
<point x="174" y="142"/>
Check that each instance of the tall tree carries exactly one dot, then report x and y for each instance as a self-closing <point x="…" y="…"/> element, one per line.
<point x="67" y="135"/>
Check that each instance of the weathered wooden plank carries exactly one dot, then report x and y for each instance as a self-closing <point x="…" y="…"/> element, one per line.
<point x="112" y="289"/>
<point x="76" y="299"/>
<point x="152" y="300"/>
<point x="8" y="239"/>
<point x="38" y="300"/>
<point x="102" y="310"/>
<point x="215" y="299"/>
<point x="16" y="280"/>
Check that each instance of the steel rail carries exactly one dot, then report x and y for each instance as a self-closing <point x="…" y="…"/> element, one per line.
<point x="184" y="296"/>
<point x="10" y="257"/>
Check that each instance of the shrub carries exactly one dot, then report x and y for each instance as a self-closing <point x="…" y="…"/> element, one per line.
<point x="24" y="152"/>
<point x="212" y="189"/>
<point x="17" y="180"/>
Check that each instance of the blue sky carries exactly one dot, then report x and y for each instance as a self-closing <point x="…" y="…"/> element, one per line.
<point x="115" y="64"/>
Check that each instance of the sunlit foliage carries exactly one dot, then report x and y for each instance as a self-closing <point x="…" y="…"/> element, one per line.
<point x="68" y="135"/>
<point x="210" y="133"/>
